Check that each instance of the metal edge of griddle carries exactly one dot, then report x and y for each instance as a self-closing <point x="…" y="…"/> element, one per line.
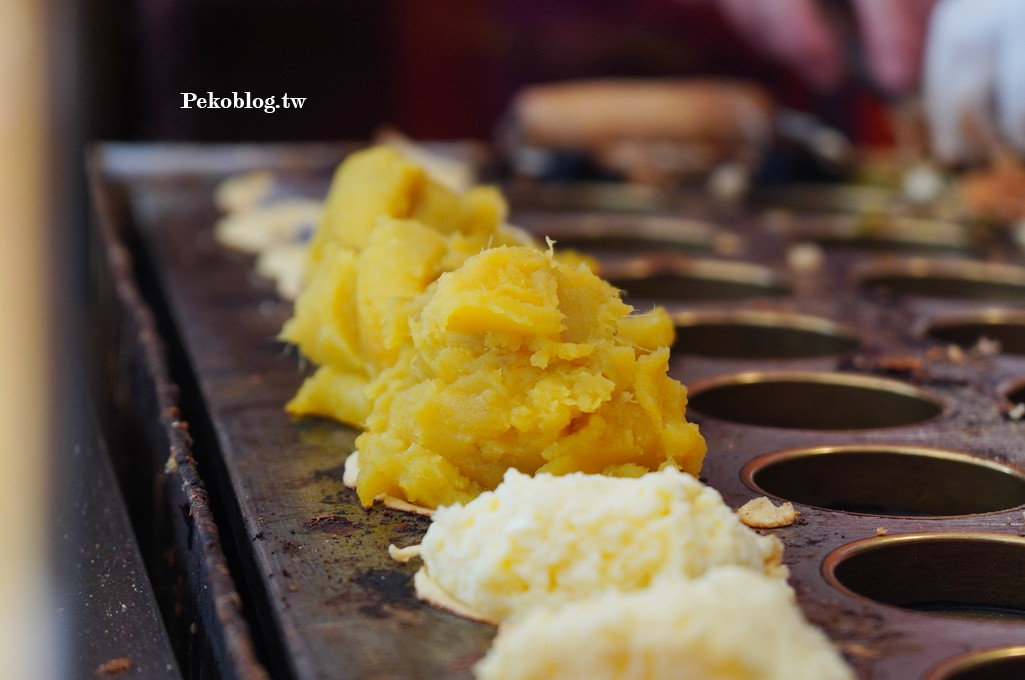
<point x="139" y="405"/>
<point x="101" y="582"/>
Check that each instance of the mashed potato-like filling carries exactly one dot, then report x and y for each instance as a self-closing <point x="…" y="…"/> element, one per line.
<point x="519" y="361"/>
<point x="387" y="231"/>
<point x="548" y="540"/>
<point x="463" y="349"/>
<point x="731" y="624"/>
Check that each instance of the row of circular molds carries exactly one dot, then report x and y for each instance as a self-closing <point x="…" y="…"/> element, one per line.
<point x="672" y="278"/>
<point x="650" y="242"/>
<point x="824" y="400"/>
<point x="887" y="480"/>
<point x="619" y="234"/>
<point x="879" y="480"/>
<point x="762" y="334"/>
<point x="953" y="574"/>
<point x="964" y="575"/>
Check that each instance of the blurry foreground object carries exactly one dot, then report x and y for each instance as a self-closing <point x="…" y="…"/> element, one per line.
<point x="974" y="80"/>
<point x="730" y="623"/>
<point x="817" y="40"/>
<point x="26" y="645"/>
<point x="648" y="131"/>
<point x="996" y="192"/>
<point x="974" y="102"/>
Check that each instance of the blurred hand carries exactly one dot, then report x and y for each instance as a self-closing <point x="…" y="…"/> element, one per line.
<point x="974" y="81"/>
<point x="798" y="34"/>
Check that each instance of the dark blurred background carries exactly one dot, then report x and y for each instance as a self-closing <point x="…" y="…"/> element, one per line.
<point x="437" y="69"/>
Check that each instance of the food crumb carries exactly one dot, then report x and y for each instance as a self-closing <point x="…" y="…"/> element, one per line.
<point x="881" y="531"/>
<point x="986" y="347"/>
<point x="114" y="667"/>
<point x="855" y="649"/>
<point x="900" y="365"/>
<point x="403" y="554"/>
<point x="761" y="513"/>
<point x="955" y="354"/>
<point x="805" y="258"/>
<point x="1017" y="413"/>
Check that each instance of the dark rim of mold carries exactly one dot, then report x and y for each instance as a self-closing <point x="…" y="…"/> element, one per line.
<point x="814" y="401"/>
<point x="966" y="329"/>
<point x="944" y="278"/>
<point x="831" y="198"/>
<point x="748" y="334"/>
<point x="998" y="663"/>
<point x="671" y="279"/>
<point x="887" y="480"/>
<point x="881" y="230"/>
<point x="623" y="233"/>
<point x="961" y="575"/>
<point x="590" y="196"/>
<point x="1012" y="394"/>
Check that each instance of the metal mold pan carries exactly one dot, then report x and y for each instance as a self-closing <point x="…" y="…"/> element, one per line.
<point x="751" y="334"/>
<point x="968" y="329"/>
<point x="314" y="585"/>
<point x="814" y="401"/>
<point x="614" y="197"/>
<point x="964" y="575"/>
<point x="946" y="279"/>
<point x="1002" y="663"/>
<point x="830" y="198"/>
<point x="679" y="280"/>
<point x="883" y="232"/>
<point x="604" y="235"/>
<point x="894" y="481"/>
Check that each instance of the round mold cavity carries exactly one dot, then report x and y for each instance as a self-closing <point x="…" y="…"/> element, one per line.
<point x="945" y="279"/>
<point x="954" y="574"/>
<point x="760" y="335"/>
<point x="893" y="481"/>
<point x="1001" y="663"/>
<point x="813" y="401"/>
<point x="967" y="329"/>
<point x="611" y="234"/>
<point x="884" y="232"/>
<point x="589" y="197"/>
<point x="669" y="280"/>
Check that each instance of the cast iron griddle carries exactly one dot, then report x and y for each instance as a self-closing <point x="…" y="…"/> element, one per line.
<point x="316" y="564"/>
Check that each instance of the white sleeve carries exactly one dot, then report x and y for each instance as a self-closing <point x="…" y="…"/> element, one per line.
<point x="974" y="77"/>
<point x="1010" y="76"/>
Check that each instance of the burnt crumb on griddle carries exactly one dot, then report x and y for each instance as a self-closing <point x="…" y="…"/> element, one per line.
<point x="385" y="591"/>
<point x="934" y="369"/>
<point x="408" y="524"/>
<point x="117" y="666"/>
<point x="907" y="366"/>
<point x="333" y="473"/>
<point x="332" y="524"/>
<point x="388" y="582"/>
<point x="403" y="532"/>
<point x="806" y="543"/>
<point x="859" y="650"/>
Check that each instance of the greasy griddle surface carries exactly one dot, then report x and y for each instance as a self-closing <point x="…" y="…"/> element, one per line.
<point x="345" y="610"/>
